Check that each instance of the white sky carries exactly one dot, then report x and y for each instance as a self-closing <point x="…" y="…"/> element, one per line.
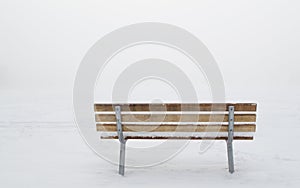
<point x="254" y="42"/>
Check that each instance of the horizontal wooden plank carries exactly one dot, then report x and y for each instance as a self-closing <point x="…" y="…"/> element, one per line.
<point x="175" y="118"/>
<point x="144" y="107"/>
<point x="176" y="128"/>
<point x="180" y="138"/>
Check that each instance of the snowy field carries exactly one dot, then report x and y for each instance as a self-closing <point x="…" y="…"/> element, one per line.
<point x="40" y="146"/>
<point x="255" y="44"/>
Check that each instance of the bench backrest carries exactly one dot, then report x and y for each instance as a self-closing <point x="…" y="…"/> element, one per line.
<point x="139" y="119"/>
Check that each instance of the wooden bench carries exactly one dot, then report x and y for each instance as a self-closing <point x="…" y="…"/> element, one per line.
<point x="144" y="119"/>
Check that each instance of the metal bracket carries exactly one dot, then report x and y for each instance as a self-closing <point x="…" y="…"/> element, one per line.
<point x="230" y="138"/>
<point x="119" y="124"/>
<point x="230" y="123"/>
<point x="122" y="141"/>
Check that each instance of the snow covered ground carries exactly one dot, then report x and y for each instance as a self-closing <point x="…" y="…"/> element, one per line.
<point x="256" y="44"/>
<point x="40" y="146"/>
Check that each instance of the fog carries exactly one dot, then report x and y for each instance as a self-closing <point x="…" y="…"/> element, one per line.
<point x="255" y="43"/>
<point x="42" y="43"/>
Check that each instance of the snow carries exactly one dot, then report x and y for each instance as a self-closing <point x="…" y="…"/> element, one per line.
<point x="38" y="150"/>
<point x="256" y="44"/>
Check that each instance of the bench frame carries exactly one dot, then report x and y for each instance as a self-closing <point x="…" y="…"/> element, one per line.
<point x="123" y="140"/>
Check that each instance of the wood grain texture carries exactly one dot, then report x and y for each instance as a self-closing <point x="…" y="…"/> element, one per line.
<point x="176" y="128"/>
<point x="180" y="138"/>
<point x="175" y="118"/>
<point x="144" y="107"/>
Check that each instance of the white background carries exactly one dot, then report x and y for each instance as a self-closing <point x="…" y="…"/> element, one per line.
<point x="256" y="44"/>
<point x="43" y="42"/>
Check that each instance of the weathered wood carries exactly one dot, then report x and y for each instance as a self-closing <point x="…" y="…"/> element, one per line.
<point x="144" y="107"/>
<point x="181" y="137"/>
<point x="176" y="128"/>
<point x="175" y="118"/>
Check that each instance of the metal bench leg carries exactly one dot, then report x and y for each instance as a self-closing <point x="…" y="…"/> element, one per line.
<point x="230" y="157"/>
<point x="122" y="158"/>
<point x="230" y="139"/>
<point x="122" y="141"/>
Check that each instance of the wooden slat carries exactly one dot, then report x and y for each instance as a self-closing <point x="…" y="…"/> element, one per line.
<point x="144" y="107"/>
<point x="175" y="127"/>
<point x="181" y="138"/>
<point x="175" y="118"/>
